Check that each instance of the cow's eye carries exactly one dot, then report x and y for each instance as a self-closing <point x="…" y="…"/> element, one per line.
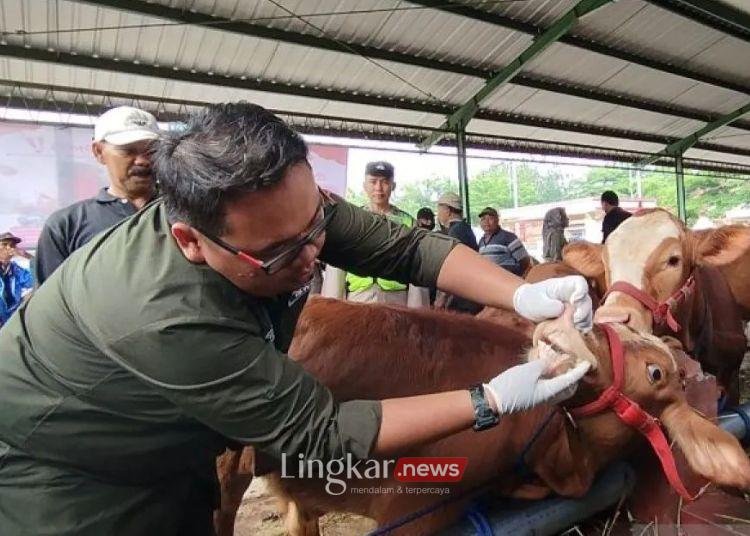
<point x="655" y="373"/>
<point x="674" y="260"/>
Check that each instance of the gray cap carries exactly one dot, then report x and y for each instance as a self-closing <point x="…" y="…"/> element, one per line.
<point x="10" y="237"/>
<point x="452" y="200"/>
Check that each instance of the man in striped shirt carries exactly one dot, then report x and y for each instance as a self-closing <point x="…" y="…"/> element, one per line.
<point x="500" y="246"/>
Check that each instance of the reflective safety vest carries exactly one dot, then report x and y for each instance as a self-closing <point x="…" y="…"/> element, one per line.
<point x="356" y="283"/>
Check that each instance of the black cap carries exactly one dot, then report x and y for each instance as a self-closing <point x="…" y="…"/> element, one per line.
<point x="10" y="237"/>
<point x="425" y="213"/>
<point x="380" y="169"/>
<point x="488" y="211"/>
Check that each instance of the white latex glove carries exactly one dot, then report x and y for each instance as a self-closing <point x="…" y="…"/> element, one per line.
<point x="521" y="388"/>
<point x="547" y="299"/>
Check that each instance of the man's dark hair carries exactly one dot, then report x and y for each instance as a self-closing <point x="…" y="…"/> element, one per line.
<point x="225" y="150"/>
<point x="425" y="213"/>
<point x="610" y="197"/>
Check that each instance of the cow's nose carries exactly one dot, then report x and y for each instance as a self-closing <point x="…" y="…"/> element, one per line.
<point x="640" y="321"/>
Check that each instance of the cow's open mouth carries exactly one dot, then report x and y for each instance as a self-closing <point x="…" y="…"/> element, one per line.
<point x="560" y="361"/>
<point x="560" y="337"/>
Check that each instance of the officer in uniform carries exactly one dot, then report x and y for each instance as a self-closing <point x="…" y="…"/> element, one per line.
<point x="379" y="186"/>
<point x="163" y="338"/>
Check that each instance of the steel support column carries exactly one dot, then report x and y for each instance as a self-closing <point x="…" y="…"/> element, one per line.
<point x="463" y="175"/>
<point x="681" y="198"/>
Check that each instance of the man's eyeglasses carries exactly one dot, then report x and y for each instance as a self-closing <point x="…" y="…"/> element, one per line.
<point x="283" y="255"/>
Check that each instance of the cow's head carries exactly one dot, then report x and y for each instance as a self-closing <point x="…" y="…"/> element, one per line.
<point x="568" y="461"/>
<point x="656" y="253"/>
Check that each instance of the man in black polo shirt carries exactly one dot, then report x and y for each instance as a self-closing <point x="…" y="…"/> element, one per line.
<point x="122" y="137"/>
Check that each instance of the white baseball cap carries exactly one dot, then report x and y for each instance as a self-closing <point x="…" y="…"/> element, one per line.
<point x="124" y="125"/>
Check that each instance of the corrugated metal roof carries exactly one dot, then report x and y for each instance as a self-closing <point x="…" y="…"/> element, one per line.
<point x="741" y="5"/>
<point x="678" y="62"/>
<point x="642" y="27"/>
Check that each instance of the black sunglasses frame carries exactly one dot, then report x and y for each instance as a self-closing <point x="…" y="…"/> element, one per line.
<point x="274" y="264"/>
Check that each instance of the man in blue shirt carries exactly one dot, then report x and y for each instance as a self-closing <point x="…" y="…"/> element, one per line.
<point x="500" y="246"/>
<point x="450" y="215"/>
<point x="15" y="281"/>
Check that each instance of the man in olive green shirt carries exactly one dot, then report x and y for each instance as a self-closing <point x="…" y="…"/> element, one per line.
<point x="378" y="186"/>
<point x="163" y="339"/>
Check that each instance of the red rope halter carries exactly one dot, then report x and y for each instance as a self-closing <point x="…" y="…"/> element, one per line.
<point x="662" y="312"/>
<point x="632" y="414"/>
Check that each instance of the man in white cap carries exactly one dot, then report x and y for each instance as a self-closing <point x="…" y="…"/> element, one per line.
<point x="450" y="215"/>
<point x="122" y="137"/>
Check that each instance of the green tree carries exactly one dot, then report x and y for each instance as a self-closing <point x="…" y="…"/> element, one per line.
<point x="491" y="188"/>
<point x="535" y="187"/>
<point x="356" y="198"/>
<point x="415" y="195"/>
<point x="598" y="180"/>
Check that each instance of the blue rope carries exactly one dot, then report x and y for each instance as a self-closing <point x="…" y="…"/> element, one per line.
<point x="400" y="522"/>
<point x="721" y="405"/>
<point x="520" y="467"/>
<point x="479" y="520"/>
<point x="745" y="419"/>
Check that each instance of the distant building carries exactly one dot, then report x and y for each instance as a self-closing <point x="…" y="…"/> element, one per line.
<point x="703" y="222"/>
<point x="585" y="217"/>
<point x="740" y="214"/>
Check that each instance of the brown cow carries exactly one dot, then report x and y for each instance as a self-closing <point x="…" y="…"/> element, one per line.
<point x="540" y="272"/>
<point x="654" y="252"/>
<point x="721" y="246"/>
<point x="426" y="351"/>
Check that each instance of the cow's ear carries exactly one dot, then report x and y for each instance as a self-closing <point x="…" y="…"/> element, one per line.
<point x="560" y="460"/>
<point x="585" y="258"/>
<point x="710" y="451"/>
<point x="722" y="245"/>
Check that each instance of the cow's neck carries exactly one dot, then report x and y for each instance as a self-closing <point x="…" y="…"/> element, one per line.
<point x="605" y="436"/>
<point x="415" y="351"/>
<point x="700" y="322"/>
<point x="692" y="316"/>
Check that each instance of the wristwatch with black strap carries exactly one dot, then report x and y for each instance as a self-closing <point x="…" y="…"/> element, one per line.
<point x="485" y="417"/>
